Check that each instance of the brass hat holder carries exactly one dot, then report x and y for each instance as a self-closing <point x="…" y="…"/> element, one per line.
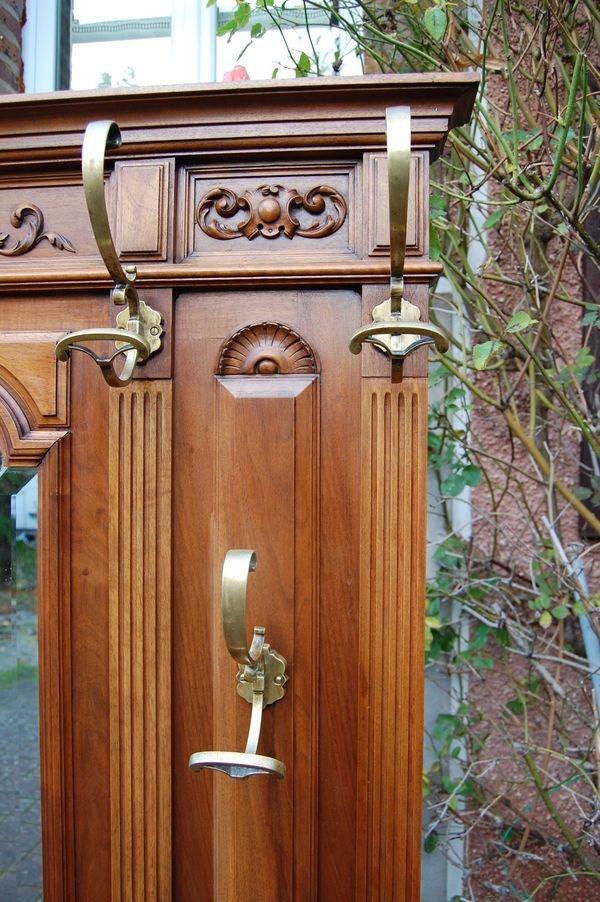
<point x="261" y="676"/>
<point x="396" y="328"/>
<point x="139" y="329"/>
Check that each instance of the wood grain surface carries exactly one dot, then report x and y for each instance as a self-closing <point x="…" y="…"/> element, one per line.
<point x="140" y="451"/>
<point x="319" y="466"/>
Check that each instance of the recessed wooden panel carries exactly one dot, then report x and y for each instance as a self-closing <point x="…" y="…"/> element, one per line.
<point x="267" y="464"/>
<point x="325" y="730"/>
<point x="377" y="223"/>
<point x="143" y="202"/>
<point x="295" y="177"/>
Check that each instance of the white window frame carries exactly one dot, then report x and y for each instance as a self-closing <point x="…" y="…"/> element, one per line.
<point x="39" y="53"/>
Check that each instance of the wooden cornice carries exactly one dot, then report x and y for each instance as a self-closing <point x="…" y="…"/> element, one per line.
<point x="339" y="114"/>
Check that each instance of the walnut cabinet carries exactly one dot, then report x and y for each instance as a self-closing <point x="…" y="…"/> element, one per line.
<point x="257" y="217"/>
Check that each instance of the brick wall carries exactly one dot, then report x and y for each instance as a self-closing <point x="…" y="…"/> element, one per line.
<point x="12" y="17"/>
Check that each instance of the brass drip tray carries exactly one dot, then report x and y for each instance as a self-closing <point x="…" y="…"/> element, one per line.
<point x="238" y="765"/>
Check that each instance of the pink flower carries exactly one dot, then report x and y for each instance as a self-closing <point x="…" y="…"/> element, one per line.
<point x="238" y="73"/>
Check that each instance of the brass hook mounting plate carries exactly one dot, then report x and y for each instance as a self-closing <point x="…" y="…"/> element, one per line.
<point x="151" y="326"/>
<point x="275" y="678"/>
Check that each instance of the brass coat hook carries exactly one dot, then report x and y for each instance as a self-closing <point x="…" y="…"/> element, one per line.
<point x="396" y="328"/>
<point x="139" y="330"/>
<point x="261" y="676"/>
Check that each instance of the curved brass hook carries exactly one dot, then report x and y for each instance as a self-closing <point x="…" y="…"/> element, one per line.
<point x="397" y="123"/>
<point x="237" y="566"/>
<point x="140" y="330"/>
<point x="400" y="318"/>
<point x="134" y="347"/>
<point x="261" y="675"/>
<point x="429" y="333"/>
<point x="99" y="137"/>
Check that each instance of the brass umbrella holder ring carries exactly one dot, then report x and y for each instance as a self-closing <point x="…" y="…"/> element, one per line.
<point x="396" y="328"/>
<point x="139" y="327"/>
<point x="261" y="676"/>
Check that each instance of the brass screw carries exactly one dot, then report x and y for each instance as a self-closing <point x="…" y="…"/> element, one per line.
<point x="154" y="330"/>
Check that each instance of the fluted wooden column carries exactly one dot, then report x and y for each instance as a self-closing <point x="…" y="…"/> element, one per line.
<point x="140" y="654"/>
<point x="392" y="610"/>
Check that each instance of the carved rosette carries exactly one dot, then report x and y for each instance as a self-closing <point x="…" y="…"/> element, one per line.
<point x="270" y="212"/>
<point x="266" y="349"/>
<point x="32" y="218"/>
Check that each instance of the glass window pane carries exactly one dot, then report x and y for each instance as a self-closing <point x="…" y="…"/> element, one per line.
<point x="284" y="39"/>
<point x="120" y="42"/>
<point x="20" y="814"/>
<point x="161" y="42"/>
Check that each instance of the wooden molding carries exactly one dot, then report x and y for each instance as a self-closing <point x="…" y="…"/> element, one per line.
<point x="54" y="625"/>
<point x="21" y="445"/>
<point x="392" y="611"/>
<point x="34" y="397"/>
<point x="30" y="372"/>
<point x="338" y="272"/>
<point x="139" y="641"/>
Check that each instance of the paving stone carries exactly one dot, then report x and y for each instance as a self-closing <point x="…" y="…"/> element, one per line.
<point x="20" y="819"/>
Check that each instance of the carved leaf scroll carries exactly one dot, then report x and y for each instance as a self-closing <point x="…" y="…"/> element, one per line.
<point x="32" y="219"/>
<point x="270" y="211"/>
<point x="266" y="349"/>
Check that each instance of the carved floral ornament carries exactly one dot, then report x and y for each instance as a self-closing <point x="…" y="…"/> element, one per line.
<point x="270" y="212"/>
<point x="32" y="219"/>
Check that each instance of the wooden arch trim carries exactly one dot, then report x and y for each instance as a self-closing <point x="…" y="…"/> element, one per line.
<point x="20" y="444"/>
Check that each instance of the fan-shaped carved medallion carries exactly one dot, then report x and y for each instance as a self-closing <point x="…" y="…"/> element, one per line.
<point x="266" y="349"/>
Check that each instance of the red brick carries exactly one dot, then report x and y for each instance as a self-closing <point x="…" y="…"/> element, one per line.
<point x="12" y="16"/>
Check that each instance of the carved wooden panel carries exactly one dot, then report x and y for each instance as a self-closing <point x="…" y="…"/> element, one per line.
<point x="266" y="349"/>
<point x="30" y="219"/>
<point x="29" y="367"/>
<point x="302" y="208"/>
<point x="268" y="448"/>
<point x="50" y="222"/>
<point x="143" y="190"/>
<point x="377" y="222"/>
<point x="139" y="641"/>
<point x="392" y="611"/>
<point x="271" y="211"/>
